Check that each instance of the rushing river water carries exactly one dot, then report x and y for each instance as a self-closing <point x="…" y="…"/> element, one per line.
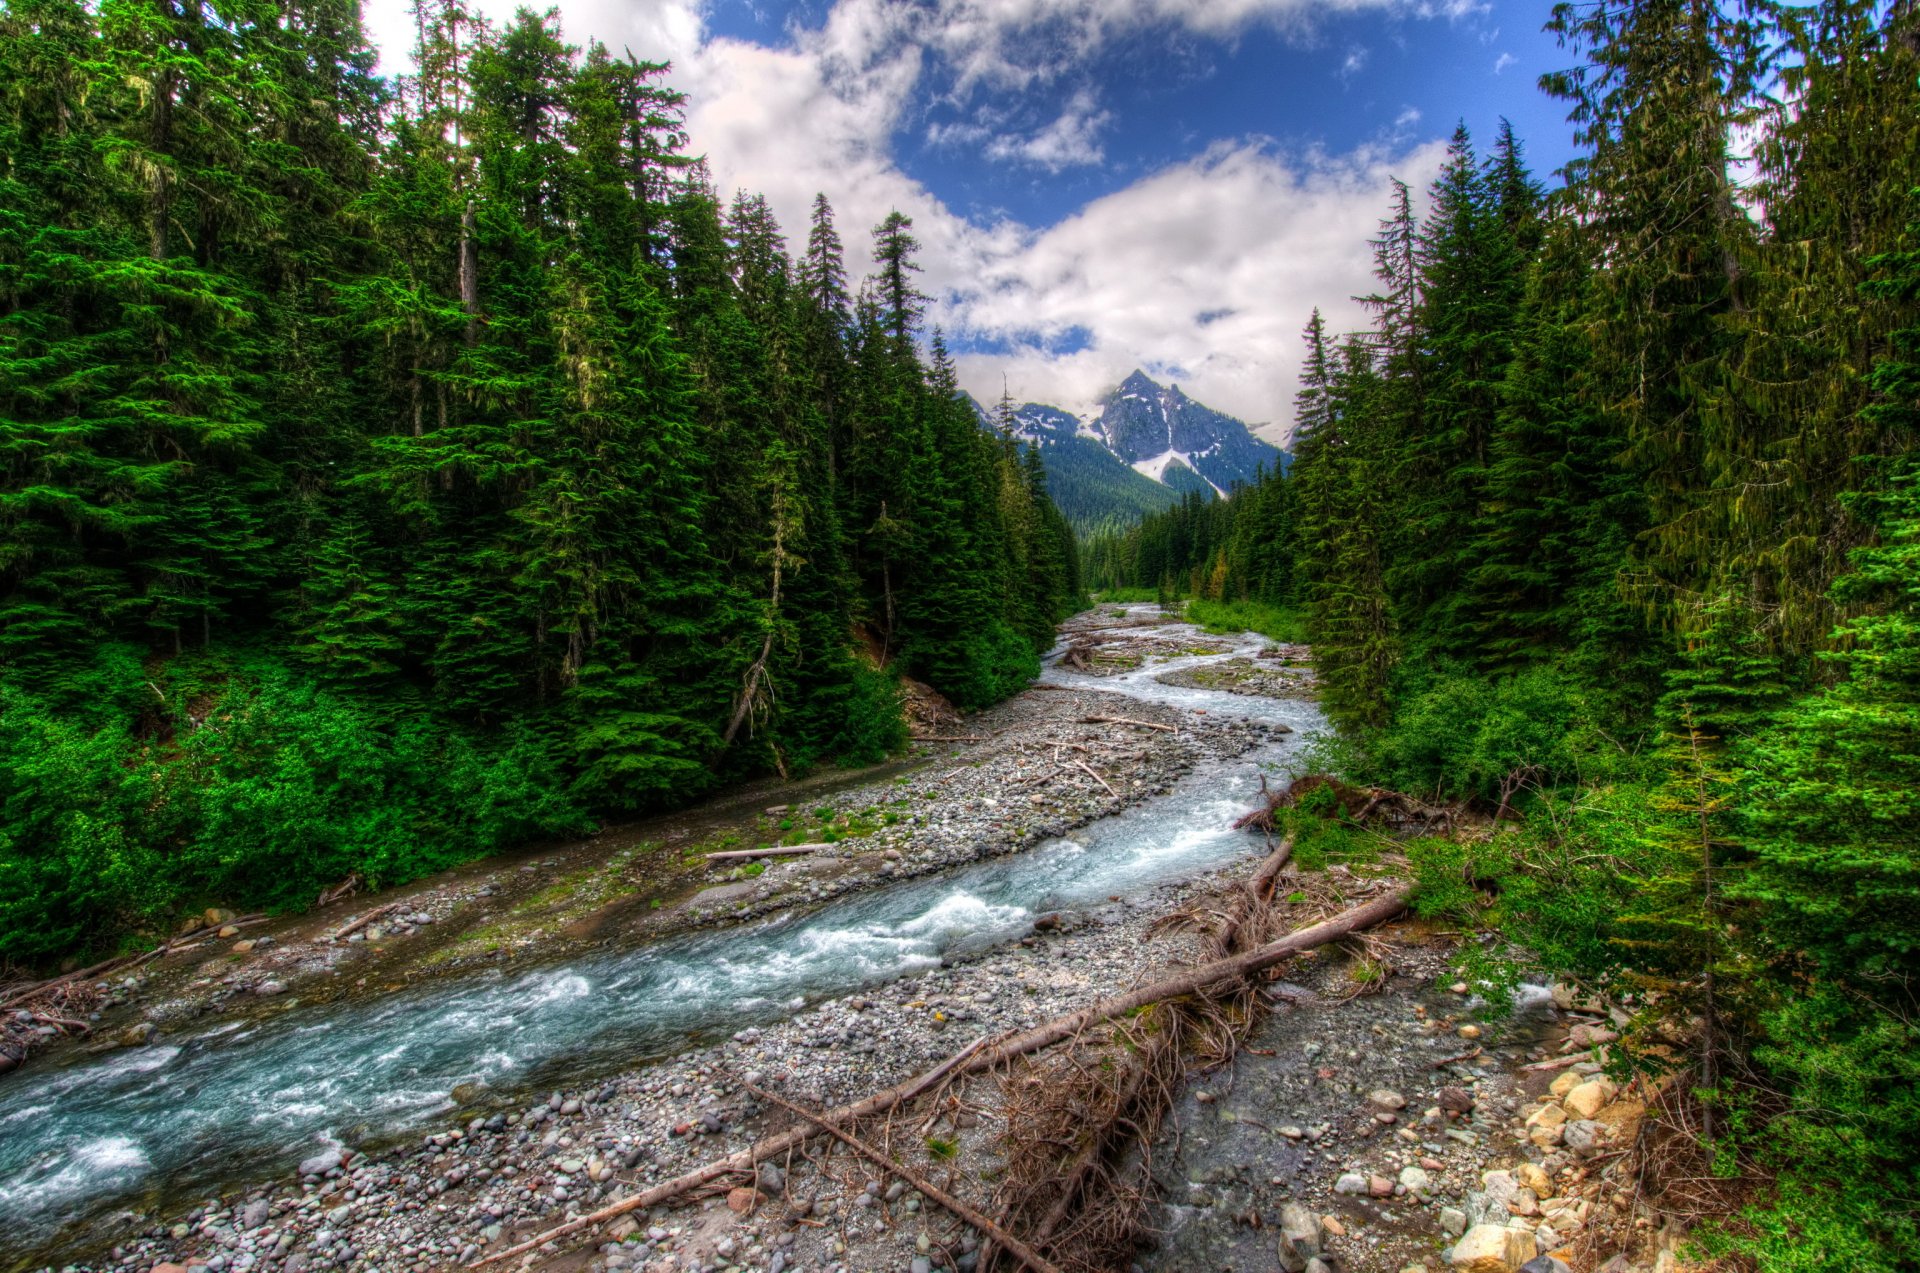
<point x="140" y="1127"/>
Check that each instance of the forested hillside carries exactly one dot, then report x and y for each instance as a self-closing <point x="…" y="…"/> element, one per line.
<point x="1608" y="526"/>
<point x="395" y="471"/>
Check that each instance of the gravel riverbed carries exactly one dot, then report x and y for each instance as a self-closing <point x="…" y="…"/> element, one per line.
<point x="1292" y="1124"/>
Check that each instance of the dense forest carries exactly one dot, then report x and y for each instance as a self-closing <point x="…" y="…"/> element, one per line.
<point x="393" y="471"/>
<point x="1611" y="519"/>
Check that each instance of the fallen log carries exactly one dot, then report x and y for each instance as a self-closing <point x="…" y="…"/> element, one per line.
<point x="783" y="850"/>
<point x="1014" y="1246"/>
<point x="363" y="921"/>
<point x="1127" y="720"/>
<point x="763" y="1150"/>
<point x="120" y="961"/>
<point x="981" y="1056"/>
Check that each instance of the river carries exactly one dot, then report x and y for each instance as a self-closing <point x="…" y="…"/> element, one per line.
<point x="142" y="1129"/>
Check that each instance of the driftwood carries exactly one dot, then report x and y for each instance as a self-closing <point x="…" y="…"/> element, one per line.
<point x="363" y="921"/>
<point x="1393" y="810"/>
<point x="349" y="885"/>
<point x="1111" y="1102"/>
<point x="1097" y="778"/>
<point x="763" y="1150"/>
<point x="1020" y="1250"/>
<point x="982" y="1055"/>
<point x="1127" y="720"/>
<point x="124" y="961"/>
<point x="783" y="850"/>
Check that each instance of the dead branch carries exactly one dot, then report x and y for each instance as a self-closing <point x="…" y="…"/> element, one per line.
<point x="123" y="961"/>
<point x="1127" y="720"/>
<point x="763" y="1150"/>
<point x="980" y="1056"/>
<point x="1097" y="778"/>
<point x="1020" y="1250"/>
<point x="1464" y="1056"/>
<point x="363" y="921"/>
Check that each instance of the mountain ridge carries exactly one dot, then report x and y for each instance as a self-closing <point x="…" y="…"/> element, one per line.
<point x="1146" y="447"/>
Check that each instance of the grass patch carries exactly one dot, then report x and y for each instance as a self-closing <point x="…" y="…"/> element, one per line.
<point x="1126" y="596"/>
<point x="1277" y="623"/>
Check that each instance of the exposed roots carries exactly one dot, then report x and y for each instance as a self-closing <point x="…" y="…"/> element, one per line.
<point x="1081" y="1120"/>
<point x="1394" y="812"/>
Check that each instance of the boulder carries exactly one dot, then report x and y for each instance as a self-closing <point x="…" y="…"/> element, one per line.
<point x="322" y="1163"/>
<point x="1590" y="1097"/>
<point x="1299" y="1237"/>
<point x="1566" y="1083"/>
<point x="1549" y="1115"/>
<point x="1493" y="1248"/>
<point x="1583" y="1135"/>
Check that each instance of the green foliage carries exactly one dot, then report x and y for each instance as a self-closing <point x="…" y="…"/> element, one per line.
<point x="1467" y="735"/>
<point x="558" y="491"/>
<point x="1278" y="623"/>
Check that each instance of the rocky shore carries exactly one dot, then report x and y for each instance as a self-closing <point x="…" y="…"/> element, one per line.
<point x="1375" y="1121"/>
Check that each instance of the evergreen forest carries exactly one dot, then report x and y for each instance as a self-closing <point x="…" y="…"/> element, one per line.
<point x="398" y="471"/>
<point x="1609" y="525"/>
<point x="394" y="471"/>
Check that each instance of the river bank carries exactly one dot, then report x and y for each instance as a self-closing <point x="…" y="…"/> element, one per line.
<point x="1029" y="771"/>
<point x="382" y="1140"/>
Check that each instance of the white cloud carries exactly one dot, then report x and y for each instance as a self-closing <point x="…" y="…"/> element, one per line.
<point x="1249" y="235"/>
<point x="1069" y="141"/>
<point x="1502" y="62"/>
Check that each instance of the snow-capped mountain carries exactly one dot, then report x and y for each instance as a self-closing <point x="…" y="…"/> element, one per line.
<point x="1144" y="448"/>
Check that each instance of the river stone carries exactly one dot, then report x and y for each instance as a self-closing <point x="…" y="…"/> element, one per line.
<point x="1493" y="1248"/>
<point x="1299" y="1237"/>
<point x="1546" y="1264"/>
<point x="1583" y="1135"/>
<point x="255" y="1214"/>
<point x="321" y="1163"/>
<point x="1534" y="1178"/>
<point x="1350" y="1182"/>
<point x="772" y="1179"/>
<point x="1589" y="1098"/>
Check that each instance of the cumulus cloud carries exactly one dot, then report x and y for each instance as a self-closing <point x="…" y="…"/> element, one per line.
<point x="1246" y="236"/>
<point x="1203" y="272"/>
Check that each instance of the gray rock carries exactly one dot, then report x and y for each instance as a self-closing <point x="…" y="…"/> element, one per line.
<point x="255" y="1214"/>
<point x="1299" y="1237"/>
<point x="1583" y="1135"/>
<point x="1351" y="1182"/>
<point x="772" y="1179"/>
<point x="271" y="987"/>
<point x="1546" y="1264"/>
<point x="320" y="1163"/>
<point x="1453" y="1221"/>
<point x="921" y="1264"/>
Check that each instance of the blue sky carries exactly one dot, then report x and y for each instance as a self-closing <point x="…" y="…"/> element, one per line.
<point x="1099" y="184"/>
